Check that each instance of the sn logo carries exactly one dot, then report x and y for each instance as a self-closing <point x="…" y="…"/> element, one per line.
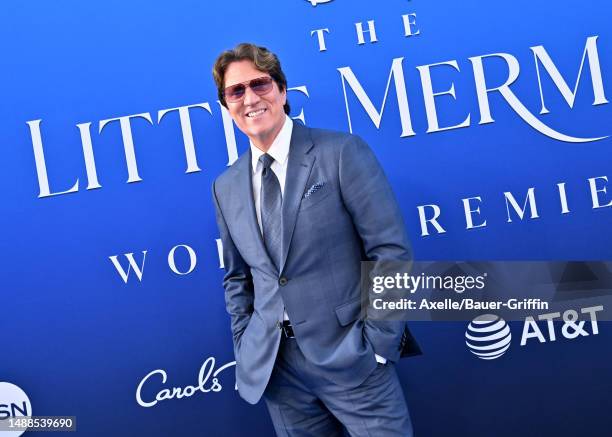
<point x="13" y="403"/>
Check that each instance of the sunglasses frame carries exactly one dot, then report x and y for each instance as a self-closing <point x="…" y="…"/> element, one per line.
<point x="267" y="80"/>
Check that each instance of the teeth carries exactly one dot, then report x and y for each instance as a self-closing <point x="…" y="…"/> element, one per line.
<point x="255" y="113"/>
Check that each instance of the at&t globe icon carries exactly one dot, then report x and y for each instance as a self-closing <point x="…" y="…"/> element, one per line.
<point x="488" y="336"/>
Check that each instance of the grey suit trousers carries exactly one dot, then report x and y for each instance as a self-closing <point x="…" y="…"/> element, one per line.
<point x="302" y="402"/>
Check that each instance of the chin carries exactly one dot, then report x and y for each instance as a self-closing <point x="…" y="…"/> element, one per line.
<point x="259" y="131"/>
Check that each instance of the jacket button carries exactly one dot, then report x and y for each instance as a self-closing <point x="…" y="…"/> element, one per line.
<point x="283" y="281"/>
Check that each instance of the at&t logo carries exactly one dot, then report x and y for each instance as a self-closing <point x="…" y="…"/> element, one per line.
<point x="488" y="336"/>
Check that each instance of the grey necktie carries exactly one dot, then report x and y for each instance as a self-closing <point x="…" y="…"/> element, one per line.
<point x="271" y="201"/>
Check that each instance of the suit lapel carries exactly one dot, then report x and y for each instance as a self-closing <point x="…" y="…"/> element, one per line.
<point x="298" y="169"/>
<point x="245" y="171"/>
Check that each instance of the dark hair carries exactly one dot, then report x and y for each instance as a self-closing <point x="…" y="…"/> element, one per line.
<point x="264" y="61"/>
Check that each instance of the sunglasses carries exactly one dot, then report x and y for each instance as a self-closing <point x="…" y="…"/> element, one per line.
<point x="260" y="86"/>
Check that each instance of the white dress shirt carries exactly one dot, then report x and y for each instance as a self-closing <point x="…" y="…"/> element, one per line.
<point x="279" y="150"/>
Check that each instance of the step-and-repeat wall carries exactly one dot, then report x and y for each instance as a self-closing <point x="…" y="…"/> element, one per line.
<point x="491" y="120"/>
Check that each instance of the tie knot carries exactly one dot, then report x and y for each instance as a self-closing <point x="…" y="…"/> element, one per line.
<point x="266" y="160"/>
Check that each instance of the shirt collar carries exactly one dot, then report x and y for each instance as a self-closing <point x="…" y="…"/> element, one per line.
<point x="279" y="150"/>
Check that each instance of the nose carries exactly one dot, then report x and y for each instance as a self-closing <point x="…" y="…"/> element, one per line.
<point x="250" y="98"/>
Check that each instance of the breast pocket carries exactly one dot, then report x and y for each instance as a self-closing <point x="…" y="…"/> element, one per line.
<point x="314" y="195"/>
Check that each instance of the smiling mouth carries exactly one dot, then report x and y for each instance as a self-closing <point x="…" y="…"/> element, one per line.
<point x="254" y="114"/>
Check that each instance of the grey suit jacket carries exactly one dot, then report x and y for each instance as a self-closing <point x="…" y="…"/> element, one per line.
<point x="338" y="209"/>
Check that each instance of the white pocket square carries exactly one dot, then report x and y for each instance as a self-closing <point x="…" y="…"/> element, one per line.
<point x="315" y="187"/>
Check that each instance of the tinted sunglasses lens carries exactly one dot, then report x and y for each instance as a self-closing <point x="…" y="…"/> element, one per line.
<point x="262" y="85"/>
<point x="235" y="92"/>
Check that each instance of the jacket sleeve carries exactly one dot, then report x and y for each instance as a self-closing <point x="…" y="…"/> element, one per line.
<point x="237" y="282"/>
<point x="376" y="216"/>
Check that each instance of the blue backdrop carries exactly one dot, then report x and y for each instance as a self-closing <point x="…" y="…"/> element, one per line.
<point x="79" y="338"/>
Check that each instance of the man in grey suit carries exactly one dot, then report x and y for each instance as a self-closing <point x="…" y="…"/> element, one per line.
<point x="297" y="215"/>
